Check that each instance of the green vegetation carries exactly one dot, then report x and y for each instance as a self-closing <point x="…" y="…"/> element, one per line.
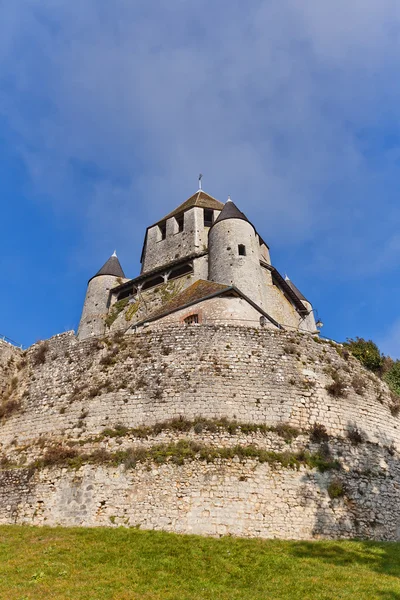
<point x="127" y="564"/>
<point x="336" y="489"/>
<point x="115" y="310"/>
<point x="8" y="407"/>
<point x="368" y="353"/>
<point x="338" y="387"/>
<point x="39" y="354"/>
<point x="200" y="424"/>
<point x="132" y="310"/>
<point x="392" y="377"/>
<point x="169" y="290"/>
<point x="179" y="452"/>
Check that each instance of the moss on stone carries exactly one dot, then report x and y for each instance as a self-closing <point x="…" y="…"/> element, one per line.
<point x="116" y="309"/>
<point x="132" y="310"/>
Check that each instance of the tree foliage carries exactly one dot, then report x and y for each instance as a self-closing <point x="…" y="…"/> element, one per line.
<point x="367" y="352"/>
<point x="392" y="377"/>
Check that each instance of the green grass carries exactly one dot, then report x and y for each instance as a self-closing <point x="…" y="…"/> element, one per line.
<point x="127" y="564"/>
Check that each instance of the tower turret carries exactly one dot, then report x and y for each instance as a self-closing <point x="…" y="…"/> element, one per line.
<point x="96" y="304"/>
<point x="234" y="253"/>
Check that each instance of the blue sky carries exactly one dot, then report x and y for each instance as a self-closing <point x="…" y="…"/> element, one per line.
<point x="108" y="112"/>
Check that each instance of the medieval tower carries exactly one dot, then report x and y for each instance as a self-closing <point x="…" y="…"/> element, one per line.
<point x="220" y="269"/>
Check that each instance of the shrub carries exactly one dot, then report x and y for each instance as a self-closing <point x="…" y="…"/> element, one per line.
<point x="39" y="355"/>
<point x="394" y="405"/>
<point x="367" y="352"/>
<point x="358" y="384"/>
<point x="290" y="349"/>
<point x="8" y="407"/>
<point x="57" y="455"/>
<point x="286" y="431"/>
<point x="110" y="358"/>
<point x="338" y="387"/>
<point x="354" y="435"/>
<point x="318" y="433"/>
<point x="335" y="489"/>
<point x="392" y="377"/>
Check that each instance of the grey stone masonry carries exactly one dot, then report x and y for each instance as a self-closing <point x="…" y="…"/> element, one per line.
<point x="69" y="396"/>
<point x="163" y="247"/>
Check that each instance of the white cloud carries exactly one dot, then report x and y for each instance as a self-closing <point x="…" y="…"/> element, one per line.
<point x="274" y="102"/>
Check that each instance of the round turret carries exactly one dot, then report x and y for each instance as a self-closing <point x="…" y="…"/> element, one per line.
<point x="234" y="253"/>
<point x="95" y="308"/>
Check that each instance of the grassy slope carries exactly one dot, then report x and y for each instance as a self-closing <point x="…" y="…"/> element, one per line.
<point x="126" y="564"/>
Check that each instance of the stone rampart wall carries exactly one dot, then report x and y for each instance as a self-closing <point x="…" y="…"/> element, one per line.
<point x="251" y="375"/>
<point x="235" y="496"/>
<point x="70" y="392"/>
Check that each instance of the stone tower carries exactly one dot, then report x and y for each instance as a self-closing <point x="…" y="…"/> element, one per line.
<point x="234" y="253"/>
<point x="95" y="308"/>
<point x="182" y="233"/>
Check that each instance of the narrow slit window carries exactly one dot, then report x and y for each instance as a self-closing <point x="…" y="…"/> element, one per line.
<point x="180" y="222"/>
<point x="242" y="250"/>
<point x="208" y="217"/>
<point x="191" y="319"/>
<point x="162" y="230"/>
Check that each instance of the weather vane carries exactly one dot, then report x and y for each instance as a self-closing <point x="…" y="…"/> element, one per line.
<point x="200" y="178"/>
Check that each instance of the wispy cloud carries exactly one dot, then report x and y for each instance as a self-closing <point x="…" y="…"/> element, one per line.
<point x="117" y="106"/>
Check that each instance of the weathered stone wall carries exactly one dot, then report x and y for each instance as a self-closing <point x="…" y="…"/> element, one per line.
<point x="146" y="302"/>
<point x="72" y="391"/>
<point x="252" y="375"/>
<point x="9" y="356"/>
<point x="236" y="497"/>
<point x="218" y="311"/>
<point x="193" y="238"/>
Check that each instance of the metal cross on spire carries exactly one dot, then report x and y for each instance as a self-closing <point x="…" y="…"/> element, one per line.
<point x="200" y="178"/>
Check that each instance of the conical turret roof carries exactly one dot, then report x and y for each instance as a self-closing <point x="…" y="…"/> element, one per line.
<point x="111" y="267"/>
<point x="231" y="211"/>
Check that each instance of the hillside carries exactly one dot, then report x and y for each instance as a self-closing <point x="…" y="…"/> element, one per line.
<point x="126" y="564"/>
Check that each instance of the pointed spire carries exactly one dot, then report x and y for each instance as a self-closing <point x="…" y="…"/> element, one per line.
<point x="111" y="267"/>
<point x="229" y="199"/>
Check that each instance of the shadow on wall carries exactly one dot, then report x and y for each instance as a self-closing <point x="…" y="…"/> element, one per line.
<point x="361" y="499"/>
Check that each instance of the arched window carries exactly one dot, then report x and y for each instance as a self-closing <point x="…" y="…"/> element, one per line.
<point x="191" y="319"/>
<point x="242" y="250"/>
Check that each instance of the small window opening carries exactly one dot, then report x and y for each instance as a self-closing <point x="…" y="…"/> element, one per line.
<point x="242" y="250"/>
<point x="208" y="217"/>
<point x="191" y="319"/>
<point x="153" y="282"/>
<point x="163" y="230"/>
<point x="180" y="222"/>
<point x="263" y="321"/>
<point x="125" y="293"/>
